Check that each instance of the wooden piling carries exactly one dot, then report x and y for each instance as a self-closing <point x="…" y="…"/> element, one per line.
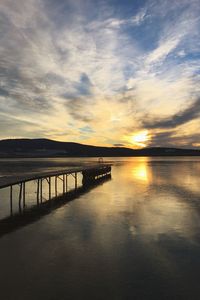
<point x="41" y="190"/>
<point x="38" y="190"/>
<point x="24" y="195"/>
<point x="76" y="183"/>
<point x="11" y="200"/>
<point x="56" y="186"/>
<point x="63" y="183"/>
<point x="49" y="181"/>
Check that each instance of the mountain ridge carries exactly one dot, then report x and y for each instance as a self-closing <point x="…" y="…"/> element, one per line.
<point x="42" y="147"/>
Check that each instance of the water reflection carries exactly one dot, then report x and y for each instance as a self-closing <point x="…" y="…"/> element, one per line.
<point x="34" y="213"/>
<point x="164" y="198"/>
<point x="135" y="237"/>
<point x="141" y="171"/>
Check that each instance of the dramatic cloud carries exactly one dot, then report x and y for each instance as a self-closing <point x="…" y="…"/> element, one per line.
<point x="184" y="116"/>
<point x="100" y="73"/>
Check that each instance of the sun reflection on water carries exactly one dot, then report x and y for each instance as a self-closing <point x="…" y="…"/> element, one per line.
<point x="141" y="172"/>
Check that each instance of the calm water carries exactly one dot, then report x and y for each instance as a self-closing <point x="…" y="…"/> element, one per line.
<point x="136" y="236"/>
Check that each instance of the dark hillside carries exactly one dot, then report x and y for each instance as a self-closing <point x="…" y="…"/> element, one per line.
<point x="45" y="147"/>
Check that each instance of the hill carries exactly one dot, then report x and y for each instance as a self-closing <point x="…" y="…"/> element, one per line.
<point x="46" y="148"/>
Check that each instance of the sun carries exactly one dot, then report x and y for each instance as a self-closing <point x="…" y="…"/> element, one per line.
<point x="140" y="139"/>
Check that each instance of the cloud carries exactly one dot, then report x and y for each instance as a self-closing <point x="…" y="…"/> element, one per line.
<point x="118" y="145"/>
<point x="72" y="71"/>
<point x="118" y="23"/>
<point x="174" y="139"/>
<point x="182" y="117"/>
<point x="21" y="127"/>
<point x="139" y="17"/>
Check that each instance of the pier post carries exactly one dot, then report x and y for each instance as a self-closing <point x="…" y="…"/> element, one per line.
<point x="66" y="179"/>
<point x="63" y="183"/>
<point x="56" y="186"/>
<point x="20" y="197"/>
<point x="75" y="176"/>
<point x="24" y="195"/>
<point x="38" y="190"/>
<point x="49" y="188"/>
<point x="41" y="190"/>
<point x="11" y="200"/>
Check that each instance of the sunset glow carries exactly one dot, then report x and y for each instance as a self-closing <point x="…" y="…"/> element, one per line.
<point x="95" y="72"/>
<point x="140" y="139"/>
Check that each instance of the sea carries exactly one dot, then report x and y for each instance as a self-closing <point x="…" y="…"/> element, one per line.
<point x="133" y="236"/>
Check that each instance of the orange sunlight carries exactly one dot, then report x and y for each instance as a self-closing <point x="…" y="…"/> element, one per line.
<point x="140" y="139"/>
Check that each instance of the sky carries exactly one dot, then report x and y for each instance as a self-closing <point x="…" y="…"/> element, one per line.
<point x="103" y="72"/>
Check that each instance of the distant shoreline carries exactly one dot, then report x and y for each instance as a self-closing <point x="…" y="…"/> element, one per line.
<point x="44" y="148"/>
<point x="97" y="156"/>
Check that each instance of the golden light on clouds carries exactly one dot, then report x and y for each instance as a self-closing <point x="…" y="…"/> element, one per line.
<point x="196" y="145"/>
<point x="140" y="139"/>
<point x="94" y="80"/>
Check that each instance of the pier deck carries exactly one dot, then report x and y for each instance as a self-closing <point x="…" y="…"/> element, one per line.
<point x="90" y="174"/>
<point x="7" y="181"/>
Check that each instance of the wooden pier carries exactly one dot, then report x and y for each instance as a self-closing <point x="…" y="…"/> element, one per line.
<point x="90" y="174"/>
